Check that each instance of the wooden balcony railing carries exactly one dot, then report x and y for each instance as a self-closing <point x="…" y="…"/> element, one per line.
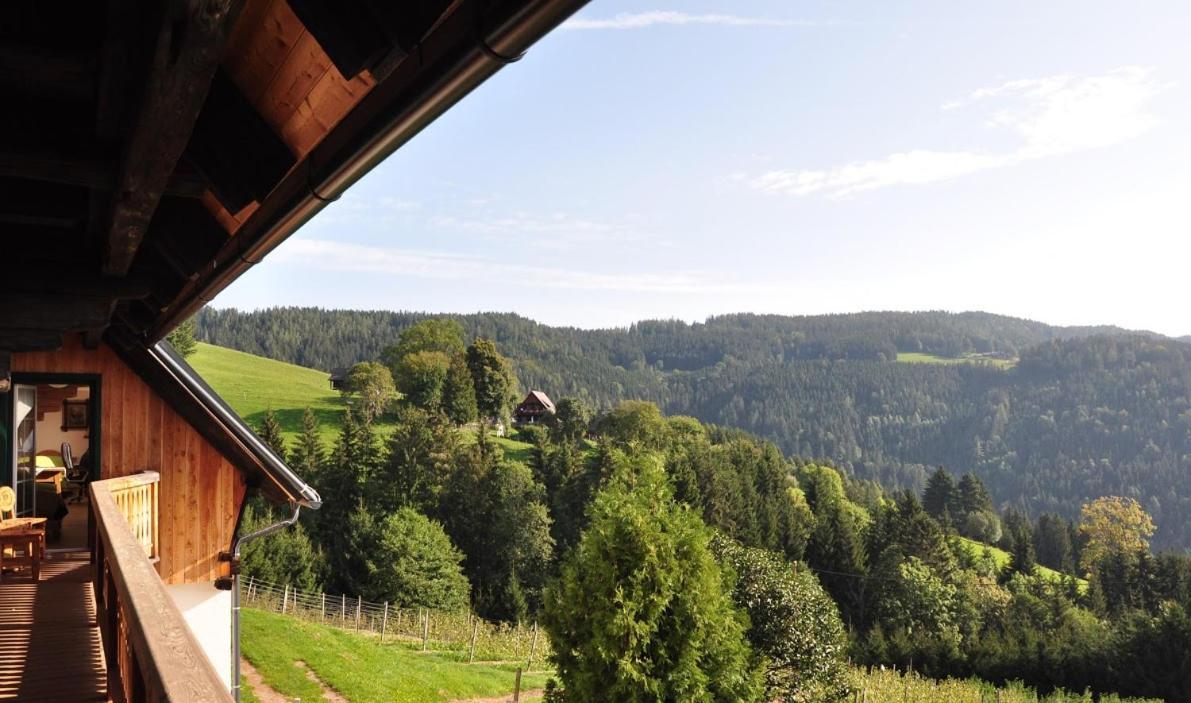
<point x="151" y="653"/>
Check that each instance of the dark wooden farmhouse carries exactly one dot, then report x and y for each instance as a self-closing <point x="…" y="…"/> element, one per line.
<point x="536" y="407"/>
<point x="152" y="151"/>
<point x="339" y="378"/>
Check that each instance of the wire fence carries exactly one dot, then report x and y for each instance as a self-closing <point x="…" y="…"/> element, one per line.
<point x="462" y="634"/>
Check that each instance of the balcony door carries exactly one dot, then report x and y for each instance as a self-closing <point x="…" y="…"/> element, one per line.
<point x="24" y="448"/>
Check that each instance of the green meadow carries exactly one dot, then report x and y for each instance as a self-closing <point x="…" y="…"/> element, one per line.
<point x="923" y="358"/>
<point x="284" y="650"/>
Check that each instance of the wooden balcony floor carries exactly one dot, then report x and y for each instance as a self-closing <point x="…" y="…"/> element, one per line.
<point x="49" y="641"/>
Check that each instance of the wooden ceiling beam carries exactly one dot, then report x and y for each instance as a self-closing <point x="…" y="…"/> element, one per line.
<point x="56" y="313"/>
<point x="190" y="42"/>
<point x="87" y="173"/>
<point x="21" y="340"/>
<point x="75" y="283"/>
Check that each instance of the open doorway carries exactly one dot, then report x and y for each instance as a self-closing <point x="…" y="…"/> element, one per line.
<point x="51" y="422"/>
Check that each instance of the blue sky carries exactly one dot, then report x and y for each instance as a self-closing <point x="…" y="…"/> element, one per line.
<point x="687" y="159"/>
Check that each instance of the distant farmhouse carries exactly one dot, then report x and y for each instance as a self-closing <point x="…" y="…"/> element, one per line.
<point x="534" y="409"/>
<point x="339" y="377"/>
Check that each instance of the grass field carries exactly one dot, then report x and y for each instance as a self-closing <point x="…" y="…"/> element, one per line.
<point x="253" y="384"/>
<point x="283" y="649"/>
<point x="361" y="669"/>
<point x="921" y="358"/>
<point x="1001" y="557"/>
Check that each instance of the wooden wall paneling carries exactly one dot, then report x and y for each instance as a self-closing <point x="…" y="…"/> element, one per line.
<point x="201" y="491"/>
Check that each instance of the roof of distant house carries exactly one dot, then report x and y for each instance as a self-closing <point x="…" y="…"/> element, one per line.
<point x="542" y="398"/>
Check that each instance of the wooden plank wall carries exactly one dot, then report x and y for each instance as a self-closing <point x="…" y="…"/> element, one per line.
<point x="201" y="491"/>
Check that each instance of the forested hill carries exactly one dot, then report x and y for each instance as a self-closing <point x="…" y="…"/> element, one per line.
<point x="1049" y="416"/>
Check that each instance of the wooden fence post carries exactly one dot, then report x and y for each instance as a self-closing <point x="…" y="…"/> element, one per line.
<point x="343" y="609"/>
<point x="475" y="627"/>
<point x="323" y="610"/>
<point x="384" y="624"/>
<point x="249" y="589"/>
<point x="425" y="628"/>
<point x="533" y="646"/>
<point x="517" y="686"/>
<point x="359" y="601"/>
<point x="284" y="599"/>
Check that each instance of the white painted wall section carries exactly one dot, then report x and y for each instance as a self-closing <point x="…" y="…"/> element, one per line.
<point x="208" y="612"/>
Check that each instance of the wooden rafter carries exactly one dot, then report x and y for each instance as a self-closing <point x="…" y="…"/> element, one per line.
<point x="93" y="174"/>
<point x="189" y="45"/>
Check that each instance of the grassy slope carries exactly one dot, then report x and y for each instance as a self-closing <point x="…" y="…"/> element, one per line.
<point x="1001" y="557"/>
<point x="920" y="358"/>
<point x="361" y="668"/>
<point x="253" y="384"/>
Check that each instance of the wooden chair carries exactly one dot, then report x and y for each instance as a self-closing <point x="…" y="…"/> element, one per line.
<point x="22" y="540"/>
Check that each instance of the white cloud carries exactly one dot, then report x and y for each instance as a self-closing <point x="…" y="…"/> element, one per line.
<point x="555" y="230"/>
<point x="641" y="20"/>
<point x="340" y="256"/>
<point x="1049" y="117"/>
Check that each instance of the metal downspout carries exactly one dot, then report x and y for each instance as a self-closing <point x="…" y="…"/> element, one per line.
<point x="235" y="556"/>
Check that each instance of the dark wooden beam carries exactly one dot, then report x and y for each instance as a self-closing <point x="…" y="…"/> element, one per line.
<point x="185" y="236"/>
<point x="93" y="338"/>
<point x="57" y="313"/>
<point x="190" y="42"/>
<point x="72" y="282"/>
<point x="87" y="173"/>
<point x="36" y="71"/>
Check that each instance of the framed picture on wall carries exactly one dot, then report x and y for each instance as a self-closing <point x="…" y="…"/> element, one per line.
<point x="75" y="414"/>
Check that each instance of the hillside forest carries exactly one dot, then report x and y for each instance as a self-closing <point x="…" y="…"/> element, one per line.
<point x="672" y="559"/>
<point x="1049" y="418"/>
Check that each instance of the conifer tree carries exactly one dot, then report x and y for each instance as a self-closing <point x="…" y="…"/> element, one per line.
<point x="270" y="434"/>
<point x="939" y="497"/>
<point x="1021" y="557"/>
<point x="640" y="611"/>
<point x="308" y="452"/>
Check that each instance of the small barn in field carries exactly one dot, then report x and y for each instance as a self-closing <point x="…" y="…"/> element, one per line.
<point x="536" y="407"/>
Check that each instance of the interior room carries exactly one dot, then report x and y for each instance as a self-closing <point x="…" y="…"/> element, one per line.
<point x="54" y="437"/>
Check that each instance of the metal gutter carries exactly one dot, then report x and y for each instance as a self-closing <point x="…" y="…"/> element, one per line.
<point x="277" y="469"/>
<point x="362" y="141"/>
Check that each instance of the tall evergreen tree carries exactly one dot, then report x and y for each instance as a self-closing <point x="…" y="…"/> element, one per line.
<point x="308" y="453"/>
<point x="973" y="496"/>
<point x="270" y="434"/>
<point x="420" y="453"/>
<point x="1052" y="543"/>
<point x="1021" y="556"/>
<point x="345" y="529"/>
<point x="640" y="612"/>
<point x="940" y="496"/>
<point x="182" y="338"/>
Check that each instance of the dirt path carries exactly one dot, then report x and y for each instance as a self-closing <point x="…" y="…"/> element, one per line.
<point x="264" y="692"/>
<point x="329" y="694"/>
<point x="526" y="697"/>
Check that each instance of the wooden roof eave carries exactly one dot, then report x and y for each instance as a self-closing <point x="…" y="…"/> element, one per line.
<point x="463" y="51"/>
